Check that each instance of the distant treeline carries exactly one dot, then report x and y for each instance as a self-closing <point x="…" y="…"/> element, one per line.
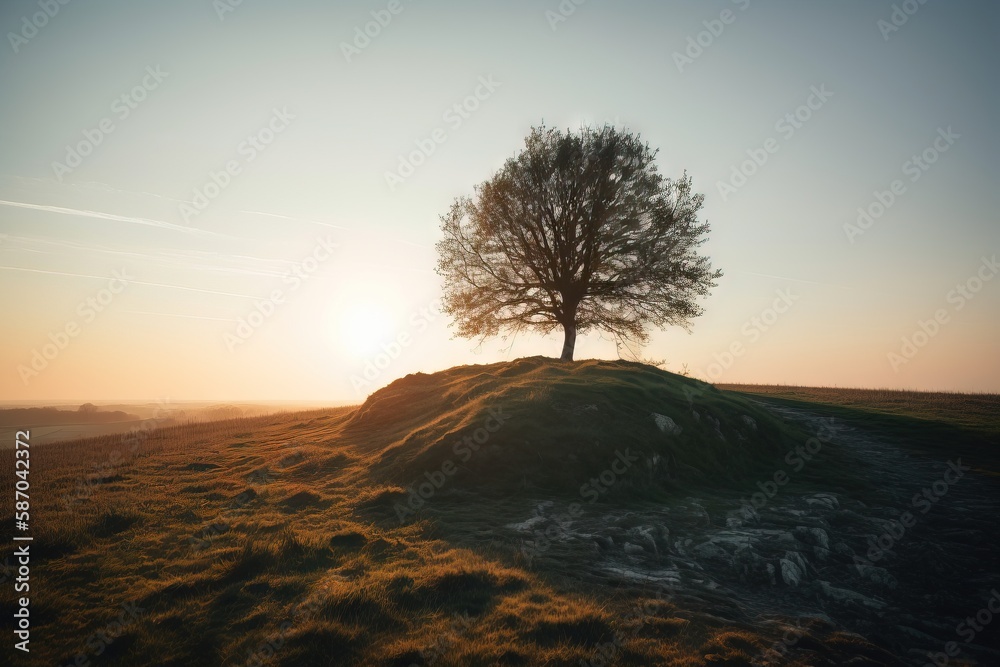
<point x="20" y="417"/>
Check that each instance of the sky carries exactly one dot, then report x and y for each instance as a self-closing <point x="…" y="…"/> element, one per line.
<point x="240" y="200"/>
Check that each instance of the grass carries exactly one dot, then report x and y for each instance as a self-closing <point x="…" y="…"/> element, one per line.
<point x="221" y="575"/>
<point x="563" y="424"/>
<point x="937" y="424"/>
<point x="276" y="538"/>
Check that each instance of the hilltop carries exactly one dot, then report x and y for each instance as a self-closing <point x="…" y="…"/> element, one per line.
<point x="548" y="426"/>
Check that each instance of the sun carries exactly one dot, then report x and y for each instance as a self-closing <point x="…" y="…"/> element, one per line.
<point x="362" y="327"/>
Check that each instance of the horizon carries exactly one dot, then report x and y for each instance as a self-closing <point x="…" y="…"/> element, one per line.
<point x="320" y="403"/>
<point x="169" y="189"/>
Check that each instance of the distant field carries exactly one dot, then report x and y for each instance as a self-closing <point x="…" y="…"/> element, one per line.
<point x="938" y="423"/>
<point x="43" y="435"/>
<point x="62" y="423"/>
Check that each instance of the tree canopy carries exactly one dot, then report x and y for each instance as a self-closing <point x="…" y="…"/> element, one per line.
<point x="579" y="231"/>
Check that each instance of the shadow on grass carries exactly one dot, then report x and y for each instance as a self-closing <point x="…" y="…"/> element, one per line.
<point x="929" y="437"/>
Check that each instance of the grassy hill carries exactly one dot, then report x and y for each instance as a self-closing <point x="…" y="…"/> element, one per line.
<point x="301" y="539"/>
<point x="547" y="426"/>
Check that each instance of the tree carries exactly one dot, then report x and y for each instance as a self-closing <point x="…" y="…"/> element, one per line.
<point x="578" y="231"/>
<point x="88" y="408"/>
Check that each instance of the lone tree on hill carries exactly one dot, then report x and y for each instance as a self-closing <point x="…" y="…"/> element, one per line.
<point x="578" y="231"/>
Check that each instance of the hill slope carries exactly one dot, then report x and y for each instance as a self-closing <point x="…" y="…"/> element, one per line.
<point x="543" y="424"/>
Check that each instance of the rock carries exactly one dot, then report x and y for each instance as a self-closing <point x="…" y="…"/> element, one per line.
<point x="528" y="524"/>
<point x="629" y="573"/>
<point x="710" y="550"/>
<point x="778" y="539"/>
<point x="604" y="542"/>
<point x="633" y="548"/>
<point x="812" y="536"/>
<point x="821" y="553"/>
<point x="879" y="575"/>
<point x="790" y="573"/>
<point x="666" y="424"/>
<point x="842" y="549"/>
<point x="643" y="535"/>
<point x="826" y="500"/>
<point x="717" y="425"/>
<point x="845" y="595"/>
<point x="793" y="568"/>
<point x="744" y="514"/>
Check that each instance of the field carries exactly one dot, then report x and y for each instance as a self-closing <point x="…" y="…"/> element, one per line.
<point x="308" y="538"/>
<point x="931" y="422"/>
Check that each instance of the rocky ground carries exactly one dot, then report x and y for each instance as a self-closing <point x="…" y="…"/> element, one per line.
<point x="904" y="567"/>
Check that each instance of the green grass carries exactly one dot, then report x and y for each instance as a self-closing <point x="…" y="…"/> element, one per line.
<point x="565" y="423"/>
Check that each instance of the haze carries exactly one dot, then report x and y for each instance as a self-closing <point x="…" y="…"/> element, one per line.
<point x="247" y="161"/>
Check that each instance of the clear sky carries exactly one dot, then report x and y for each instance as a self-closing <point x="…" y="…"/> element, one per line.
<point x="230" y="159"/>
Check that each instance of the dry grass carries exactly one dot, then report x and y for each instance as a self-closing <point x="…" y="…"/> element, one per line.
<point x="222" y="532"/>
<point x="254" y="539"/>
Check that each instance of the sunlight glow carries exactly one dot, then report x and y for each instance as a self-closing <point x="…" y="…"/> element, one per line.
<point x="361" y="327"/>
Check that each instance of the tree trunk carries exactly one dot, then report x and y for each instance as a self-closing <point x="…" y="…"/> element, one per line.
<point x="570" y="343"/>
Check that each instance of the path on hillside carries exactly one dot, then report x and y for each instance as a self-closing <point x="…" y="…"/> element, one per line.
<point x="796" y="560"/>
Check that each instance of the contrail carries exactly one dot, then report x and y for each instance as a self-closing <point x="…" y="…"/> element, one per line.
<point x="188" y="258"/>
<point x="288" y="217"/>
<point x="109" y="216"/>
